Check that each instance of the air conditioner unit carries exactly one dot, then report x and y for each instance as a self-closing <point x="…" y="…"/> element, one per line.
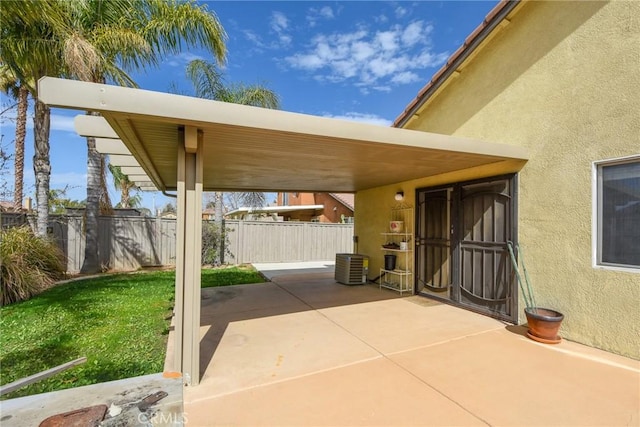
<point x="351" y="269"/>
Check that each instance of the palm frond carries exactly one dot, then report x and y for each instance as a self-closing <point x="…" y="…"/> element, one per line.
<point x="206" y="79"/>
<point x="171" y="25"/>
<point x="256" y="95"/>
<point x="81" y="57"/>
<point x="126" y="46"/>
<point x="253" y="199"/>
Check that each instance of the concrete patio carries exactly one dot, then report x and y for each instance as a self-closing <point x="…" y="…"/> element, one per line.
<point x="304" y="350"/>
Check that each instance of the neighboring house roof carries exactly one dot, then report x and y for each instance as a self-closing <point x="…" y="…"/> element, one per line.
<point x="347" y="199"/>
<point x="471" y="43"/>
<point x="9" y="207"/>
<point x="275" y="209"/>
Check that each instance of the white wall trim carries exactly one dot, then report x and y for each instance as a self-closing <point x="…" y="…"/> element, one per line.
<point x="596" y="219"/>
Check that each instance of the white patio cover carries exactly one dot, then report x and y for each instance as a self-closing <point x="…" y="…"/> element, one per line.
<point x="184" y="144"/>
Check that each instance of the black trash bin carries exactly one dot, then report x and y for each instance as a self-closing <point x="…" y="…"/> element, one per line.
<point x="389" y="262"/>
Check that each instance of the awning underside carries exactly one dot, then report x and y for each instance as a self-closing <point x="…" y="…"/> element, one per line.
<point x="254" y="149"/>
<point x="242" y="159"/>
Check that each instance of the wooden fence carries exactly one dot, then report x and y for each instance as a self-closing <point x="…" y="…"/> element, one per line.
<point x="128" y="243"/>
<point x="288" y="241"/>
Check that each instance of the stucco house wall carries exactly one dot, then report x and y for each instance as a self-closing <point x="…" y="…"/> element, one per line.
<point x="563" y="80"/>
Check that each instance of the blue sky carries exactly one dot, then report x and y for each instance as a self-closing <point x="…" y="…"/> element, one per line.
<point x="357" y="60"/>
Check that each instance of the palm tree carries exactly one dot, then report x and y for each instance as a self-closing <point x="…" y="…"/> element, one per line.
<point x="95" y="41"/>
<point x="208" y="83"/>
<point x="30" y="50"/>
<point x="105" y="38"/>
<point x="121" y="182"/>
<point x="19" y="91"/>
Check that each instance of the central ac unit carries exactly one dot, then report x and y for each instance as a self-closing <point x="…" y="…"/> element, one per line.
<point x="351" y="269"/>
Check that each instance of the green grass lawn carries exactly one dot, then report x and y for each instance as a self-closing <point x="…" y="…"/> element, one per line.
<point x="235" y="275"/>
<point x="119" y="322"/>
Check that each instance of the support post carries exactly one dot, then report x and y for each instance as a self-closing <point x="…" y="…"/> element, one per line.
<point x="188" y="257"/>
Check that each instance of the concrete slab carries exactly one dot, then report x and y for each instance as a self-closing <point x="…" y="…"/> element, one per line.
<point x="372" y="393"/>
<point x="304" y="350"/>
<point x="247" y="298"/>
<point x="320" y="290"/>
<point x="268" y="349"/>
<point x="275" y="269"/>
<point x="508" y="379"/>
<point x="408" y="323"/>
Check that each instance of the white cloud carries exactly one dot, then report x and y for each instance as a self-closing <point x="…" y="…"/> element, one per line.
<point x="315" y="15"/>
<point x="280" y="25"/>
<point x="309" y="62"/>
<point x="414" y="33"/>
<point x="386" y="89"/>
<point x="372" y="119"/>
<point x="400" y="12"/>
<point x="182" y="59"/>
<point x="279" y="22"/>
<point x="382" y="59"/>
<point x="59" y="122"/>
<point x="387" y="40"/>
<point x="254" y="38"/>
<point x="285" y="39"/>
<point x="405" y="77"/>
<point x="62" y="123"/>
<point x="326" y="12"/>
<point x="430" y="59"/>
<point x="362" y="51"/>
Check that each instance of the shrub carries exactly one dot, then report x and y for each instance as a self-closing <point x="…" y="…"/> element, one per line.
<point x="212" y="243"/>
<point x="28" y="264"/>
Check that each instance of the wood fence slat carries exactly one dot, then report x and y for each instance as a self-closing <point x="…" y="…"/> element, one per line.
<point x="128" y="243"/>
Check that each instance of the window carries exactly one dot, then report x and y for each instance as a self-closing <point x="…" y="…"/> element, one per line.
<point x="617" y="213"/>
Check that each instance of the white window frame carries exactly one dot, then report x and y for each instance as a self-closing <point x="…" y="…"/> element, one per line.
<point x="596" y="217"/>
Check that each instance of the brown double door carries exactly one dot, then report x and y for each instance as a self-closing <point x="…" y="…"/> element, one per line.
<point x="461" y="245"/>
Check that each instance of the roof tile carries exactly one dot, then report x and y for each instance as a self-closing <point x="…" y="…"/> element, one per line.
<point x="474" y="34"/>
<point x="439" y="74"/>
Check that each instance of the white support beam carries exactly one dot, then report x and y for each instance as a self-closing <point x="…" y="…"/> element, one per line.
<point x="132" y="170"/>
<point x="138" y="177"/>
<point x="188" y="258"/>
<point x="95" y="126"/>
<point x="111" y="146"/>
<point x="119" y="160"/>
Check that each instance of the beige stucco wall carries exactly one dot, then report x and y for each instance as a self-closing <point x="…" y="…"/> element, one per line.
<point x="563" y="80"/>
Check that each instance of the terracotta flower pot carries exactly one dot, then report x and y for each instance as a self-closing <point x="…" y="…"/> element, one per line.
<point x="543" y="324"/>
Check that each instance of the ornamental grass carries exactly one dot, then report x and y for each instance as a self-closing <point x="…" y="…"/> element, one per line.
<point x="28" y="264"/>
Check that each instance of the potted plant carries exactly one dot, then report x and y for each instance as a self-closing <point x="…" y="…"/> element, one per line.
<point x="543" y="323"/>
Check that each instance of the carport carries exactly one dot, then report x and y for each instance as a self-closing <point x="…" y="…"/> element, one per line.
<point x="190" y="145"/>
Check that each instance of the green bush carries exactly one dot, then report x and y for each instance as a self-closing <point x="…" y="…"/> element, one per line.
<point x="28" y="264"/>
<point x="212" y="243"/>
